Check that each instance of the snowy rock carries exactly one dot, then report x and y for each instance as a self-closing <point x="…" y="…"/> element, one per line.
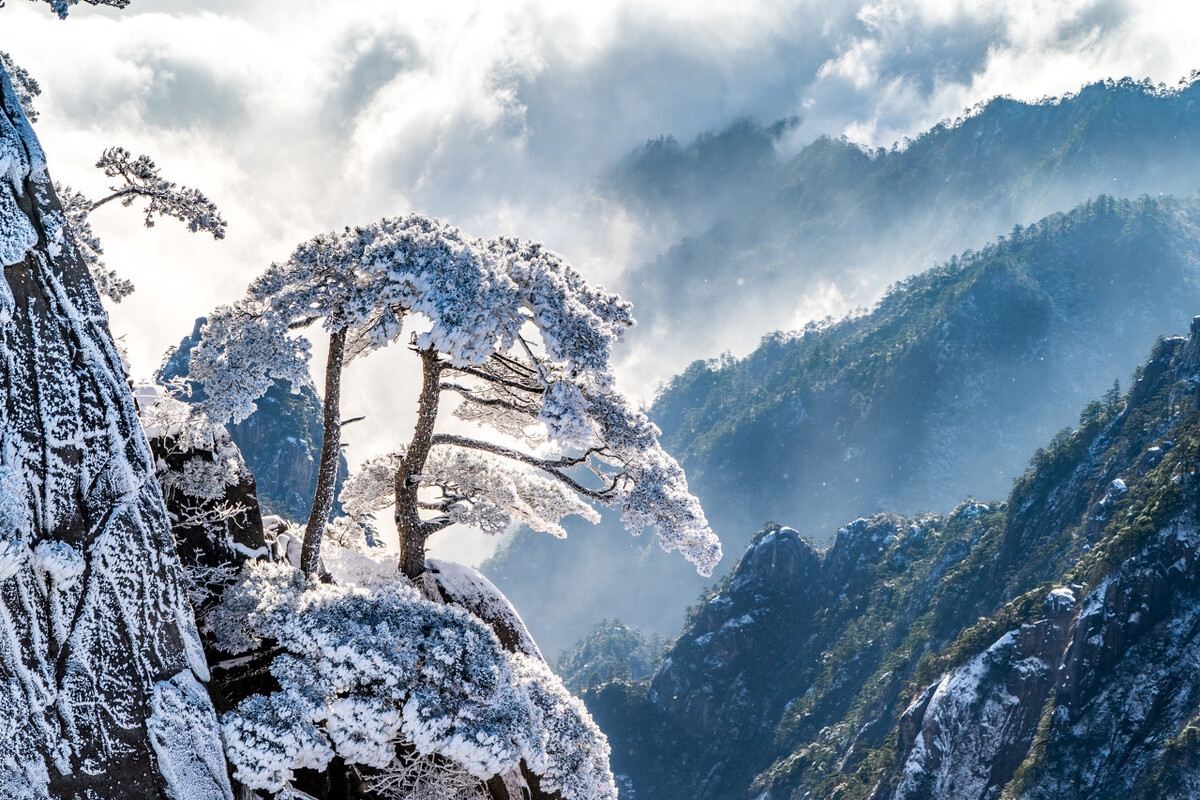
<point x="182" y="728"/>
<point x="1060" y="601"/>
<point x="468" y="588"/>
<point x="87" y="647"/>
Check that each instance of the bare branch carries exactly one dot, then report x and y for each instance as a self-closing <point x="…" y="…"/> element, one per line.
<point x="484" y="375"/>
<point x="550" y="467"/>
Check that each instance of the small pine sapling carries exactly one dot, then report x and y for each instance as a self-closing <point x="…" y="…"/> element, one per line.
<point x="139" y="179"/>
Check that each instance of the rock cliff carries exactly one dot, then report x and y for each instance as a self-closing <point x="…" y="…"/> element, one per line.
<point x="280" y="441"/>
<point x="100" y="655"/>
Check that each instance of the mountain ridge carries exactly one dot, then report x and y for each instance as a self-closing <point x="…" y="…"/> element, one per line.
<point x="942" y="391"/>
<point x="1024" y="649"/>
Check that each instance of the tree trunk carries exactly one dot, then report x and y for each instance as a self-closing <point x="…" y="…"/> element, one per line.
<point x="331" y="448"/>
<point x="408" y="516"/>
<point x="99" y="652"/>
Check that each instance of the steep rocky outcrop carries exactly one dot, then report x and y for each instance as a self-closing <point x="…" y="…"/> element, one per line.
<point x="210" y="492"/>
<point x="280" y="441"/>
<point x="101" y="657"/>
<point x="783" y="648"/>
<point x="1042" y="647"/>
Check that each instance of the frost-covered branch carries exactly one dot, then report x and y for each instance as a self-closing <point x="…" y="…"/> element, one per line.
<point x="512" y="383"/>
<point x="476" y="397"/>
<point x="553" y="467"/>
<point x="163" y="198"/>
<point x="142" y="180"/>
<point x="62" y="7"/>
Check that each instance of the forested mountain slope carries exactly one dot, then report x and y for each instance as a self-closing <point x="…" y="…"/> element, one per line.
<point x="1040" y="647"/>
<point x="943" y="390"/>
<point x="772" y="239"/>
<point x="949" y="384"/>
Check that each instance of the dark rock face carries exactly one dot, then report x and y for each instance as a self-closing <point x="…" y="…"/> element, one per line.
<point x="967" y="734"/>
<point x="210" y="495"/>
<point x="99" y="695"/>
<point x="762" y="654"/>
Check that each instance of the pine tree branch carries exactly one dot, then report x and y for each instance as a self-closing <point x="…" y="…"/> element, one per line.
<point x="471" y="396"/>
<point x="484" y="375"/>
<point x="553" y="467"/>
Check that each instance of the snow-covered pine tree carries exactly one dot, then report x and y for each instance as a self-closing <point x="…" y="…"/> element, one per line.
<point x="509" y="328"/>
<point x="99" y="694"/>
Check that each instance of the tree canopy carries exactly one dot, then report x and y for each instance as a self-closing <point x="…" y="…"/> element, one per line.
<point x="510" y="329"/>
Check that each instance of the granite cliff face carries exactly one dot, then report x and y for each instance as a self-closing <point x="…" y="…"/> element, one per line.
<point x="1100" y="696"/>
<point x="99" y="694"/>
<point x="1040" y="647"/>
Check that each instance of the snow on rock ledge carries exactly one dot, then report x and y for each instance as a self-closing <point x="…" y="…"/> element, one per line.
<point x="471" y="590"/>
<point x="182" y="730"/>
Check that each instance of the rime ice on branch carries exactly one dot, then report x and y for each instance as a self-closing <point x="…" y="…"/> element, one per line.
<point x="100" y="653"/>
<point x="62" y="7"/>
<point x="508" y="327"/>
<point x="139" y="180"/>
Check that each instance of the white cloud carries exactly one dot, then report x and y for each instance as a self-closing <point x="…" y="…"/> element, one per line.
<point x="298" y="116"/>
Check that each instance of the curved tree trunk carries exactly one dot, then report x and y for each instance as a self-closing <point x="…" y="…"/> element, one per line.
<point x="408" y="516"/>
<point x="99" y="653"/>
<point x="331" y="448"/>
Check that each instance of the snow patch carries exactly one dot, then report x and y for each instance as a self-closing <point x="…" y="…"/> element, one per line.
<point x="182" y="729"/>
<point x="27" y="780"/>
<point x="358" y="569"/>
<point x="60" y="562"/>
<point x="1060" y="601"/>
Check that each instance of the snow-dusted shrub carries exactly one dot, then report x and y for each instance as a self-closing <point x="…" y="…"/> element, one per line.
<point x="367" y="673"/>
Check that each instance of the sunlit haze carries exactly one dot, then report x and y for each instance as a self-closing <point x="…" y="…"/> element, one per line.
<point x="298" y="117"/>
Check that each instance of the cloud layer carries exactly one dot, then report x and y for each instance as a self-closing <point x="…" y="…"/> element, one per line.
<point x="300" y="116"/>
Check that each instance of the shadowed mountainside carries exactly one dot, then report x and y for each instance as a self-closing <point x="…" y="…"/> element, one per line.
<point x="1041" y="647"/>
<point x="942" y="391"/>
